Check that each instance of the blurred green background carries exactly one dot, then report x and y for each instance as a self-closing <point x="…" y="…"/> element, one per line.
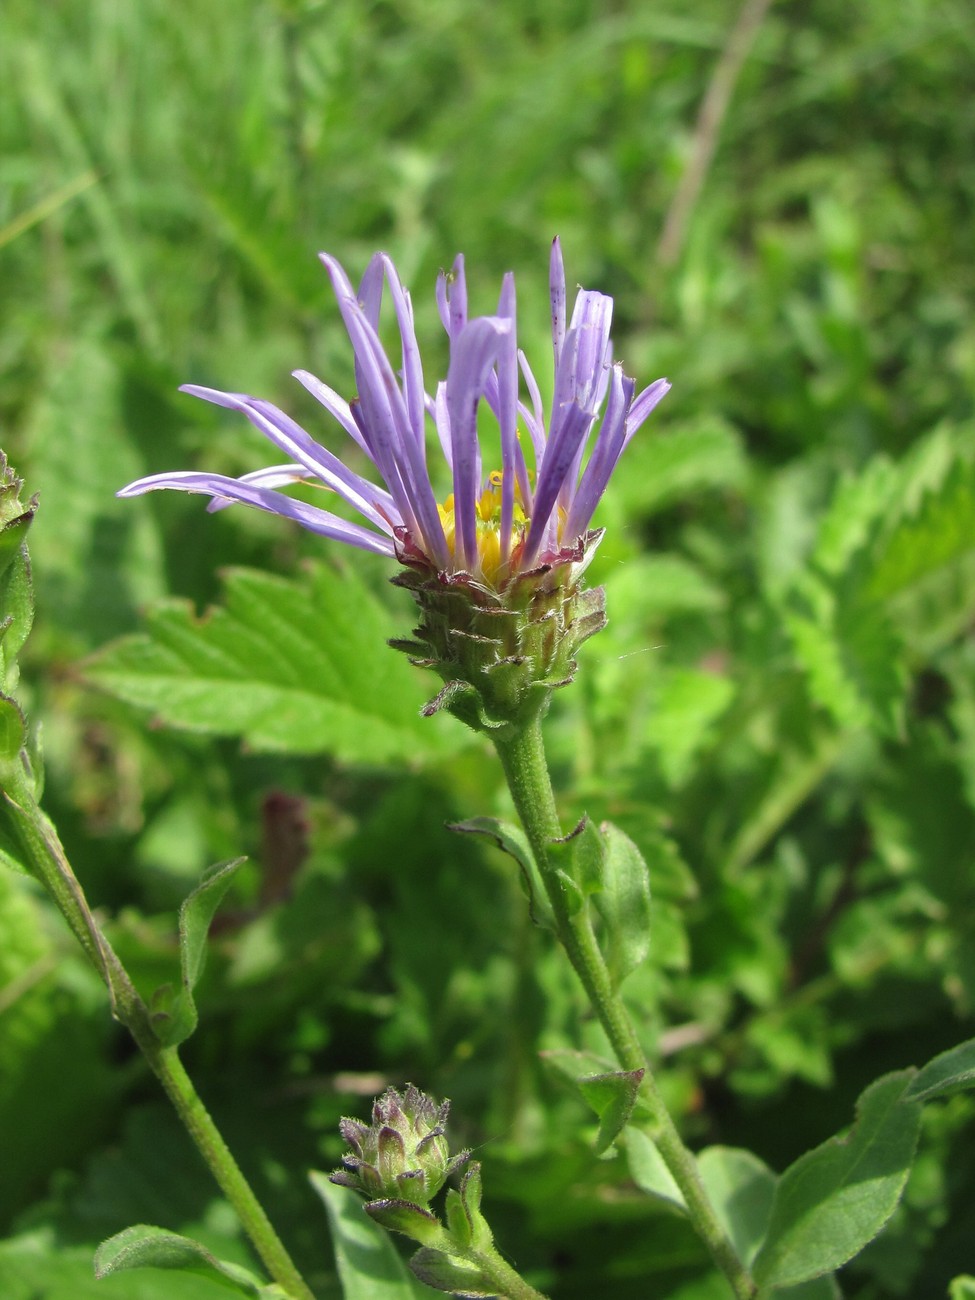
<point x="782" y="711"/>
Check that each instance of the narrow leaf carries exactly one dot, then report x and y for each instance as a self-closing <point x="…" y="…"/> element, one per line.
<point x="741" y="1188"/>
<point x="180" y="1018"/>
<point x="513" y="841"/>
<point x="952" y="1071"/>
<point x="13" y="732"/>
<point x="578" y="859"/>
<point x="624" y="904"/>
<point x="368" y="1264"/>
<point x="143" y="1246"/>
<point x="452" y="1275"/>
<point x="835" y="1199"/>
<point x="649" y="1172"/>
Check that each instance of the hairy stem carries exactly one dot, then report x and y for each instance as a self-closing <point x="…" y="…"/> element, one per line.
<point x="46" y="857"/>
<point x="522" y="755"/>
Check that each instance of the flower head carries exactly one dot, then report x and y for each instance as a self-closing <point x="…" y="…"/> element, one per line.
<point x="495" y="563"/>
<point x="492" y="526"/>
<point x="403" y="1153"/>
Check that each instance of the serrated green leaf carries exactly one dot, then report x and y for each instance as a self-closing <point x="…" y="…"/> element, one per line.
<point x="180" y="1018"/>
<point x="853" y="658"/>
<point x="688" y="458"/>
<point x="623" y="903"/>
<point x="297" y="666"/>
<point x="144" y="1246"/>
<point x="933" y="528"/>
<point x="512" y="840"/>
<point x="834" y="1200"/>
<point x="688" y="702"/>
<point x="368" y="1264"/>
<point x="613" y="1097"/>
<point x="953" y="1071"/>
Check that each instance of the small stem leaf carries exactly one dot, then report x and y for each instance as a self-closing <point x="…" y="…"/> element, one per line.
<point x="741" y="1188"/>
<point x="648" y="1171"/>
<point x="962" y="1288"/>
<point x="196" y="915"/>
<point x="623" y="903"/>
<point x="411" y="1220"/>
<point x="612" y="1097"/>
<point x="452" y="1275"/>
<point x="513" y="841"/>
<point x="175" y="1016"/>
<point x="13" y="732"/>
<point x="953" y="1071"/>
<point x="143" y="1246"/>
<point x="368" y="1263"/>
<point x="835" y="1199"/>
<point x="579" y="857"/>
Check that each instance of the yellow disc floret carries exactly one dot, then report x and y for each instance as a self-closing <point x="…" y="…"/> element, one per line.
<point x="490" y="566"/>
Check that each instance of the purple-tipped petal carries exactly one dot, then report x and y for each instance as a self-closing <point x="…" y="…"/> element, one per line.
<point x="556" y="280"/>
<point x="412" y="368"/>
<point x="559" y="456"/>
<point x="291" y="438"/>
<point x="310" y="517"/>
<point x="275" y="476"/>
<point x="336" y="406"/>
<point x="508" y="410"/>
<point x="605" y="455"/>
<point x="472" y="355"/>
<point x="644" y="403"/>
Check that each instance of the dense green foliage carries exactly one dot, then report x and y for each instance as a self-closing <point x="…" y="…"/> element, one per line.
<point x="781" y="713"/>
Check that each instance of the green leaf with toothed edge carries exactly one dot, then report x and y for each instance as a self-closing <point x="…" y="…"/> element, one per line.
<point x="296" y="666"/>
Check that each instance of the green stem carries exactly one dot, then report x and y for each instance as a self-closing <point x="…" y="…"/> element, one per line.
<point x="522" y="755"/>
<point x="489" y="1262"/>
<point x="45" y="855"/>
<point x="502" y="1276"/>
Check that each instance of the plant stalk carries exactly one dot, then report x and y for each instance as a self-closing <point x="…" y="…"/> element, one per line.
<point x="522" y="754"/>
<point x="45" y="855"/>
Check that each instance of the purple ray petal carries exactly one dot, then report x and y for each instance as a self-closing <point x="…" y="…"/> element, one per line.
<point x="290" y="437"/>
<point x="472" y="354"/>
<point x="643" y="404"/>
<point x="507" y="372"/>
<point x="310" y="517"/>
<point x="605" y="455"/>
<point x="452" y="297"/>
<point x="559" y="455"/>
<point x="556" y="280"/>
<point x="275" y="476"/>
<point x="336" y="406"/>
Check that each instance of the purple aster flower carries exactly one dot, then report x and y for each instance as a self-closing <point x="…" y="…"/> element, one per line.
<point x="528" y="515"/>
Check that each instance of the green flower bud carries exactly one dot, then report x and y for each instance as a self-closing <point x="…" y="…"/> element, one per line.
<point x="403" y="1155"/>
